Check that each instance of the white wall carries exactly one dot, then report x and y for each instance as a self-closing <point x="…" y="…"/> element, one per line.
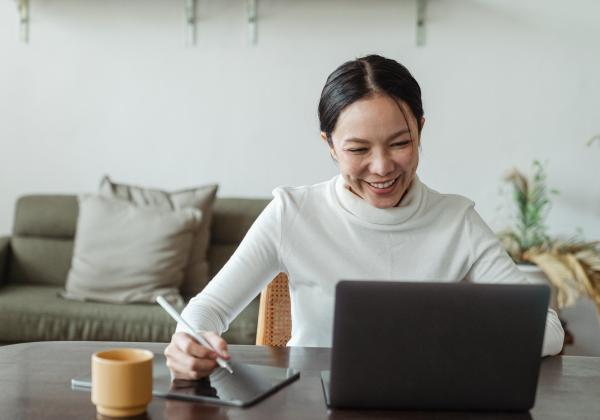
<point x="110" y="87"/>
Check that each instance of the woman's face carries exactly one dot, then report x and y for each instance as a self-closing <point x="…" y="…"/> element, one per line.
<point x="377" y="149"/>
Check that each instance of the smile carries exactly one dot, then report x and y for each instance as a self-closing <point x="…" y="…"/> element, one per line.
<point x="382" y="185"/>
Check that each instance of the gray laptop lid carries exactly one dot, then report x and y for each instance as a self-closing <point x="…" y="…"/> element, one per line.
<point x="441" y="346"/>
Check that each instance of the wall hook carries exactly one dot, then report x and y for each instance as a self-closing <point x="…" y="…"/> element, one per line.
<point x="23" y="8"/>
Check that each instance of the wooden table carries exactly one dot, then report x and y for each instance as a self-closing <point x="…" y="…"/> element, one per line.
<point x="35" y="383"/>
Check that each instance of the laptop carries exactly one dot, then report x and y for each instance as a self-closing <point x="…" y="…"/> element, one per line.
<point x="436" y="346"/>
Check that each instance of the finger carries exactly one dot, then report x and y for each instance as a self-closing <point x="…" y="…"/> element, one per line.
<point x="189" y="362"/>
<point x="187" y="344"/>
<point x="180" y="372"/>
<point x="186" y="352"/>
<point x="184" y="365"/>
<point x="217" y="342"/>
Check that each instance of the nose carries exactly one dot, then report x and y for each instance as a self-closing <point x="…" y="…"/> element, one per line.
<point x="382" y="163"/>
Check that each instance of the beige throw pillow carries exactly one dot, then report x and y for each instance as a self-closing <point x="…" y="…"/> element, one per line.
<point x="125" y="253"/>
<point x="202" y="198"/>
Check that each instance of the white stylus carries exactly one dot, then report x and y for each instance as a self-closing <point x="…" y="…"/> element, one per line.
<point x="198" y="337"/>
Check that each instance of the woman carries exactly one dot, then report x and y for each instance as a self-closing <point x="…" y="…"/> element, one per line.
<point x="375" y="220"/>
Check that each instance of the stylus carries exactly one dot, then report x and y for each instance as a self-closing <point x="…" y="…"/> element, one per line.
<point x="198" y="337"/>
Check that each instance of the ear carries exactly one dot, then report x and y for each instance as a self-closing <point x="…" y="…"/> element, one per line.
<point x="331" y="149"/>
<point x="421" y="124"/>
<point x="324" y="137"/>
<point x="332" y="153"/>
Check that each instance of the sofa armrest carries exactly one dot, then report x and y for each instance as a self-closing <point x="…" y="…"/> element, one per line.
<point x="4" y="250"/>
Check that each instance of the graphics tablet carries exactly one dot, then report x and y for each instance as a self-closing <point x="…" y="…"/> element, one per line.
<point x="246" y="386"/>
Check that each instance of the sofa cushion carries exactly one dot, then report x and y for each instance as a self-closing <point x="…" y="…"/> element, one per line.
<point x="233" y="217"/>
<point x="52" y="216"/>
<point x="39" y="260"/>
<point x="125" y="253"/>
<point x="4" y="251"/>
<point x="218" y="256"/>
<point x="35" y="313"/>
<point x="42" y="241"/>
<point x="201" y="198"/>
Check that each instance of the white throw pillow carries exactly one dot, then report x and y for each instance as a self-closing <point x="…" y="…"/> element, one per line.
<point x="124" y="253"/>
<point x="202" y="198"/>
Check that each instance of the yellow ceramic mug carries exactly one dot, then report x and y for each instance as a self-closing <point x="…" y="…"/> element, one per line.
<point x="122" y="381"/>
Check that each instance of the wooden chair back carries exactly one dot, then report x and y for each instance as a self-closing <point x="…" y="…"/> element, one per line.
<point x="274" y="314"/>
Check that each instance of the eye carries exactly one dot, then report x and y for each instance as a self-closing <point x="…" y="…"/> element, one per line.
<point x="400" y="144"/>
<point x="357" y="150"/>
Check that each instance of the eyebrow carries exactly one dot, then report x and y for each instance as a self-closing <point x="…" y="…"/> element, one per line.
<point x="393" y="136"/>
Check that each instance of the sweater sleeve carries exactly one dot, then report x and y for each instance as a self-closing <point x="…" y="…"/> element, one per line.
<point x="253" y="265"/>
<point x="491" y="263"/>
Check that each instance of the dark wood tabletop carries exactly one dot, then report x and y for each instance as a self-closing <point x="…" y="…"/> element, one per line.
<point x="35" y="384"/>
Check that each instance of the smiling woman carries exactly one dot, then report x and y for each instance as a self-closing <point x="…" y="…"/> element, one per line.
<point x="376" y="152"/>
<point x="371" y="117"/>
<point x="375" y="220"/>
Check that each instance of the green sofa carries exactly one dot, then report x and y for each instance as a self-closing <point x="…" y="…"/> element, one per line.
<point x="35" y="261"/>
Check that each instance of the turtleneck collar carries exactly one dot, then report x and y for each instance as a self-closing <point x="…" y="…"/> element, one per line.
<point x="364" y="211"/>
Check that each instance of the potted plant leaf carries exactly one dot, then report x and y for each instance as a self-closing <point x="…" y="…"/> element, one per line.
<point x="571" y="266"/>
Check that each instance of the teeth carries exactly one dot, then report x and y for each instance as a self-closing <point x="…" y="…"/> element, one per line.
<point x="382" y="184"/>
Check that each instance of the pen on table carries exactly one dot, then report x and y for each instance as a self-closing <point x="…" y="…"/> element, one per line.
<point x="198" y="337"/>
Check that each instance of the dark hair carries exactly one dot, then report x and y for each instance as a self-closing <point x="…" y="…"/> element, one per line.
<point x="362" y="77"/>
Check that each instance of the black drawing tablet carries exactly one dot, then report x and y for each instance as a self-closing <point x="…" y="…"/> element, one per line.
<point x="247" y="385"/>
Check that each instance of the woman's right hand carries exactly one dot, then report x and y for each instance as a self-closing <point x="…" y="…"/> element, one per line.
<point x="188" y="359"/>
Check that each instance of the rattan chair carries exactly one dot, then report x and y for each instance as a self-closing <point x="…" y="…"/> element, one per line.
<point x="274" y="315"/>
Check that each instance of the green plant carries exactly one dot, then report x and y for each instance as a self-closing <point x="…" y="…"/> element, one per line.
<point x="572" y="265"/>
<point x="531" y="208"/>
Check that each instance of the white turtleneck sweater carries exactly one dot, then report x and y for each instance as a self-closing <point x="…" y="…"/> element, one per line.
<point x="322" y="233"/>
